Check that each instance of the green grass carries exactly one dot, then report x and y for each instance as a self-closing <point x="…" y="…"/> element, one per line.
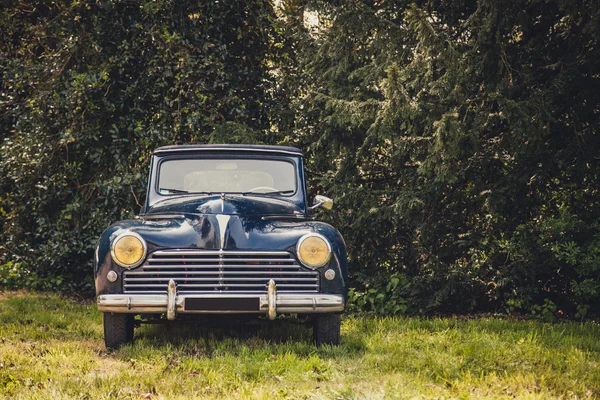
<point x="52" y="348"/>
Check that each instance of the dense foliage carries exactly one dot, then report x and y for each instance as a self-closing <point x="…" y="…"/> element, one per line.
<point x="458" y="139"/>
<point x="89" y="89"/>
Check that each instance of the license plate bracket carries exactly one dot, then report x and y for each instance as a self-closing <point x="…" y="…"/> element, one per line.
<point x="222" y="304"/>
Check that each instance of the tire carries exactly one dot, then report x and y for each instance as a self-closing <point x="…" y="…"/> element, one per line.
<point x="326" y="329"/>
<point x="118" y="330"/>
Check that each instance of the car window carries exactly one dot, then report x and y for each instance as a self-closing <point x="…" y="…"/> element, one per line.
<point x="221" y="175"/>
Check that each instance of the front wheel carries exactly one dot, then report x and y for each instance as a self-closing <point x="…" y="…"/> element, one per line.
<point x="118" y="330"/>
<point x="326" y="329"/>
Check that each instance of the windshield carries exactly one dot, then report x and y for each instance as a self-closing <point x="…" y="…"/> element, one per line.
<point x="223" y="175"/>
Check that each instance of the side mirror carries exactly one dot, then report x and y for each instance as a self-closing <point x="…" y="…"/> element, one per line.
<point x="322" y="201"/>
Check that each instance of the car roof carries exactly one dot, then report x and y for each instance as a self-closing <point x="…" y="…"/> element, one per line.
<point x="256" y="148"/>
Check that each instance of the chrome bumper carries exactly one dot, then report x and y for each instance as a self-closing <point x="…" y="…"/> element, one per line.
<point x="173" y="303"/>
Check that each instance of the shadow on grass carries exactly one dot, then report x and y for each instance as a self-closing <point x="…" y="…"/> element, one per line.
<point x="228" y="336"/>
<point x="180" y="332"/>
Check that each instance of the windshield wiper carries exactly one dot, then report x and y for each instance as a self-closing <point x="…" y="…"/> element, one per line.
<point x="173" y="190"/>
<point x="290" y="191"/>
<point x="170" y="190"/>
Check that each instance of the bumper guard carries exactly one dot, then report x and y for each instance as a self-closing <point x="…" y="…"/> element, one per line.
<point x="173" y="303"/>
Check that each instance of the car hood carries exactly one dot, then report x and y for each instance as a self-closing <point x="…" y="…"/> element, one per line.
<point x="214" y="232"/>
<point x="227" y="204"/>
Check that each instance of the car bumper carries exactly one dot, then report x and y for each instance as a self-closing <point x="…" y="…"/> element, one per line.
<point x="172" y="303"/>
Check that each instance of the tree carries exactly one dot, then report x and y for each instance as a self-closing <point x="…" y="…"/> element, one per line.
<point x="460" y="142"/>
<point x="89" y="89"/>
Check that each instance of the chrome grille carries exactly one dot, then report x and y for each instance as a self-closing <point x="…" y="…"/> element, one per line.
<point x="209" y="271"/>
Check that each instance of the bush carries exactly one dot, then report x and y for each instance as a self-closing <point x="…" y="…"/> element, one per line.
<point x="88" y="90"/>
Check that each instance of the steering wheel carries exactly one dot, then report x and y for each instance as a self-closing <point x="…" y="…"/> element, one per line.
<point x="265" y="188"/>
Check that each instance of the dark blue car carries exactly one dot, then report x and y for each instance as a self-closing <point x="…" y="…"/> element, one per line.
<point x="226" y="229"/>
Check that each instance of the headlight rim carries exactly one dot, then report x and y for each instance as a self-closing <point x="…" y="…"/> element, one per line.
<point x="327" y="243"/>
<point x="121" y="236"/>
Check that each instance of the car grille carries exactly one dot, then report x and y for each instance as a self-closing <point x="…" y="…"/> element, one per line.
<point x="205" y="271"/>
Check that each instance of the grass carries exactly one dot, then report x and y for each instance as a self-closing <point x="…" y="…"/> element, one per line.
<point x="52" y="348"/>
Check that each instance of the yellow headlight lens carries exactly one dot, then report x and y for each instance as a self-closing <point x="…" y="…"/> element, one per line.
<point x="128" y="250"/>
<point x="314" y="250"/>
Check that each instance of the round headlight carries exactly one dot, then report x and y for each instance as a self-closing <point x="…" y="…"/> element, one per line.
<point x="314" y="250"/>
<point x="128" y="250"/>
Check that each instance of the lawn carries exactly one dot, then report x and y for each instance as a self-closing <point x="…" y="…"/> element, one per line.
<point x="52" y="348"/>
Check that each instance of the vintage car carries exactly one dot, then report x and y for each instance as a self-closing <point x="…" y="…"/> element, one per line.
<point x="225" y="229"/>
